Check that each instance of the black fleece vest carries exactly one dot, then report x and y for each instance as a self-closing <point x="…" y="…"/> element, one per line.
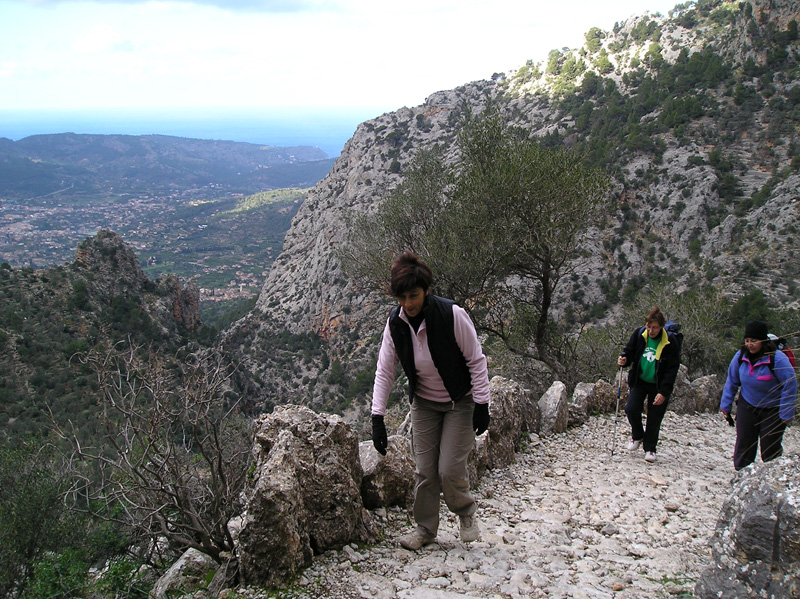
<point x="446" y="355"/>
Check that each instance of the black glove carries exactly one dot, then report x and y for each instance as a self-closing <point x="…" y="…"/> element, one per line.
<point x="480" y="418"/>
<point x="379" y="438"/>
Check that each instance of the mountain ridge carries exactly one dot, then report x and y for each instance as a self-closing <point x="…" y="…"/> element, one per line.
<point x="704" y="177"/>
<point x="89" y="163"/>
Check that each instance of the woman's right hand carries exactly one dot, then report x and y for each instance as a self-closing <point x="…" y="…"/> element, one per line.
<point x="622" y="360"/>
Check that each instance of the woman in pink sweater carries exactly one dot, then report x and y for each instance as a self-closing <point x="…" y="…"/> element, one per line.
<point x="435" y="341"/>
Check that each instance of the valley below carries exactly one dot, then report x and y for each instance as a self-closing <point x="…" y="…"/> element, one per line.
<point x="201" y="226"/>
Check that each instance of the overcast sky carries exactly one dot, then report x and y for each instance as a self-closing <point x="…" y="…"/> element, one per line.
<point x="354" y="54"/>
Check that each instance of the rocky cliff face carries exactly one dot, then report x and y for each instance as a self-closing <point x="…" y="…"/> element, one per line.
<point x="705" y="191"/>
<point x="49" y="316"/>
<point x="115" y="271"/>
<point x="111" y="263"/>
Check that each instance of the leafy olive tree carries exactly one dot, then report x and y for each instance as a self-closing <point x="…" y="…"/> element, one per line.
<point x="500" y="225"/>
<point x="411" y="218"/>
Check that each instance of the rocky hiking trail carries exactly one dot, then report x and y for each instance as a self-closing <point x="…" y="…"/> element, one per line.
<point x="567" y="520"/>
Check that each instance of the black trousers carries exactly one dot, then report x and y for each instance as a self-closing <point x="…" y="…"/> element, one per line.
<point x="756" y="426"/>
<point x="655" y="414"/>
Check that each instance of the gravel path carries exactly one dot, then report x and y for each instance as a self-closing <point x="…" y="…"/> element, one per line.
<point x="567" y="520"/>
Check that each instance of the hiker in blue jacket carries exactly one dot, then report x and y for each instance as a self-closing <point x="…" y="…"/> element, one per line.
<point x="654" y="357"/>
<point x="768" y="387"/>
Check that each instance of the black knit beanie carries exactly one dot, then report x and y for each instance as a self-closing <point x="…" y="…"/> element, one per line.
<point x="756" y="329"/>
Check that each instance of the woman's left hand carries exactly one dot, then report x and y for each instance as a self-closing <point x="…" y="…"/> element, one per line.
<point x="480" y="418"/>
<point x="659" y="399"/>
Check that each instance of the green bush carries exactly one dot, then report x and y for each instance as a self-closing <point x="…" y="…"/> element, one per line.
<point x="123" y="579"/>
<point x="751" y="306"/>
<point x="336" y="375"/>
<point x="594" y="39"/>
<point x="59" y="576"/>
<point x="362" y="383"/>
<point x="32" y="518"/>
<point x="80" y="296"/>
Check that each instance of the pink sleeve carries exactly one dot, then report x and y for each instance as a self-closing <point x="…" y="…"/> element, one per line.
<point x="384" y="373"/>
<point x="467" y="340"/>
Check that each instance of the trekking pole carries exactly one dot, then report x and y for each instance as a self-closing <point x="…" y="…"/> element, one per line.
<point x="616" y="412"/>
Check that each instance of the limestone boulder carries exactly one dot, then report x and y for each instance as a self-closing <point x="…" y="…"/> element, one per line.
<point x="553" y="409"/>
<point x="388" y="480"/>
<point x="578" y="406"/>
<point x="695" y="396"/>
<point x="756" y="544"/>
<point x="683" y="399"/>
<point x="604" y="399"/>
<point x="707" y="392"/>
<point x="304" y="497"/>
<point x="514" y="414"/>
<point x="190" y="573"/>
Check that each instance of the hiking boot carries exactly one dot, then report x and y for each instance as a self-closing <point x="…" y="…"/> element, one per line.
<point x="469" y="530"/>
<point x="649" y="456"/>
<point x="415" y="540"/>
<point x="634" y="445"/>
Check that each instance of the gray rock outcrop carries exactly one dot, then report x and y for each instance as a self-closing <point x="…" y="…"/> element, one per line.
<point x="554" y="410"/>
<point x="388" y="480"/>
<point x="115" y="271"/>
<point x="756" y="544"/>
<point x="605" y="396"/>
<point x="514" y="414"/>
<point x="189" y="573"/>
<point x="305" y="497"/>
<point x="707" y="392"/>
<point x="578" y="406"/>
<point x="113" y="264"/>
<point x="182" y="304"/>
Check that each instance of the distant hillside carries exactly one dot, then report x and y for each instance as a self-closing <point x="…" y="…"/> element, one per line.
<point x="69" y="165"/>
<point x="696" y="118"/>
<point x="100" y="298"/>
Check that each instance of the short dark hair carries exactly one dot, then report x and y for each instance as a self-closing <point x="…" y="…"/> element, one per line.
<point x="409" y="271"/>
<point x="655" y="315"/>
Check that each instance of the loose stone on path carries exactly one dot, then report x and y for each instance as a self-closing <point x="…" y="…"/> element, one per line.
<point x="567" y="520"/>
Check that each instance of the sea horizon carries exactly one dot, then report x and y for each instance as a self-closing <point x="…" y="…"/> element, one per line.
<point x="326" y="129"/>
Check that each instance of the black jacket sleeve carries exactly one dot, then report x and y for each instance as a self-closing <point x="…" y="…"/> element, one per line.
<point x="630" y="348"/>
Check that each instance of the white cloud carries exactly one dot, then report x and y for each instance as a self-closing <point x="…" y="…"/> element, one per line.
<point x="9" y="68"/>
<point x="334" y="53"/>
<point x="229" y="5"/>
<point x="101" y="37"/>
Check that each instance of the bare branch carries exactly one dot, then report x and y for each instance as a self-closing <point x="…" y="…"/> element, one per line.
<point x="174" y="455"/>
